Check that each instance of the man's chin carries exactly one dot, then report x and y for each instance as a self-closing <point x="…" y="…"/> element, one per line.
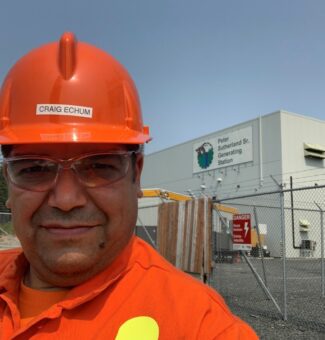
<point x="72" y="264"/>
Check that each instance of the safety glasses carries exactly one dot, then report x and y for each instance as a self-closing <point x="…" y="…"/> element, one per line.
<point x="37" y="173"/>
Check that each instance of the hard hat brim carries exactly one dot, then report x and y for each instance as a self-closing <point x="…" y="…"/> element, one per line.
<point x="52" y="133"/>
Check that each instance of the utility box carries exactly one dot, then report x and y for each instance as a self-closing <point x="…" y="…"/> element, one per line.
<point x="308" y="244"/>
<point x="307" y="248"/>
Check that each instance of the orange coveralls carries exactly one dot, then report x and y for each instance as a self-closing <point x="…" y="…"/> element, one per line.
<point x="139" y="296"/>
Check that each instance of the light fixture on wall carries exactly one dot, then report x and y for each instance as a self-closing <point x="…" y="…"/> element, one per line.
<point x="190" y="192"/>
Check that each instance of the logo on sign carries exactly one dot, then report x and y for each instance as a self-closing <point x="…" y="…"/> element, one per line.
<point x="205" y="155"/>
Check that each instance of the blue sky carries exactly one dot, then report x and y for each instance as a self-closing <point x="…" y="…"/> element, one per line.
<point x="199" y="65"/>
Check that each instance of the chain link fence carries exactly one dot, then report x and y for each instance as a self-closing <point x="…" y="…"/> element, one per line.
<point x="283" y="274"/>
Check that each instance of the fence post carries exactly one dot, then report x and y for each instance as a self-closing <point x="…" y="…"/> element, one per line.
<point x="322" y="247"/>
<point x="285" y="317"/>
<point x="284" y="254"/>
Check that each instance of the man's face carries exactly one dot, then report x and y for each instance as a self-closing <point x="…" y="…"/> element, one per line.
<point x="70" y="233"/>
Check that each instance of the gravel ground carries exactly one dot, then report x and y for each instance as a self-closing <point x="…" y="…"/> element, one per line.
<point x="273" y="328"/>
<point x="305" y="304"/>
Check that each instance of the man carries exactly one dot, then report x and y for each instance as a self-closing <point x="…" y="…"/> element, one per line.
<point x="71" y="133"/>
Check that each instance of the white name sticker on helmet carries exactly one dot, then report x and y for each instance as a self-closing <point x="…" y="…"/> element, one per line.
<point x="64" y="110"/>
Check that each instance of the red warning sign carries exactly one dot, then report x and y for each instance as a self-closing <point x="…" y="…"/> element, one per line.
<point x="241" y="232"/>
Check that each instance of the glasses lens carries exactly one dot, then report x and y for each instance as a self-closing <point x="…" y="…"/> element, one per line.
<point x="32" y="174"/>
<point x="98" y="170"/>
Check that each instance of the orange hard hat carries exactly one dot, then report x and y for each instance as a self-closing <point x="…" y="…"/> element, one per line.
<point x="70" y="92"/>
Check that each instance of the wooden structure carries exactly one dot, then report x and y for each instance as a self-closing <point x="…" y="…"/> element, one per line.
<point x="184" y="234"/>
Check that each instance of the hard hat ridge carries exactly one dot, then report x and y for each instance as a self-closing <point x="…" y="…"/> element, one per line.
<point x="67" y="55"/>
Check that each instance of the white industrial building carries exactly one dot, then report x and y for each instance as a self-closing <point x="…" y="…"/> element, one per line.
<point x="251" y="158"/>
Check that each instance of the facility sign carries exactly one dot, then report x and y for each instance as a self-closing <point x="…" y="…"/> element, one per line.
<point x="232" y="148"/>
<point x="241" y="232"/>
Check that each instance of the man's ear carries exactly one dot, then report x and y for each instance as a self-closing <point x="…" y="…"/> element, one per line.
<point x="140" y="193"/>
<point x="8" y="203"/>
<point x="137" y="173"/>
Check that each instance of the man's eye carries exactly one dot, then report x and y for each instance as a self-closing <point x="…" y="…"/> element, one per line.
<point x="103" y="166"/>
<point x="36" y="169"/>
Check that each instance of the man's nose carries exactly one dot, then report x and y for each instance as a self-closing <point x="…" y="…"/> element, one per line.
<point x="67" y="193"/>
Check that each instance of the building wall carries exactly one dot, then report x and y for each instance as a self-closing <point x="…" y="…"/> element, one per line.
<point x="297" y="130"/>
<point x="277" y="153"/>
<point x="172" y="168"/>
